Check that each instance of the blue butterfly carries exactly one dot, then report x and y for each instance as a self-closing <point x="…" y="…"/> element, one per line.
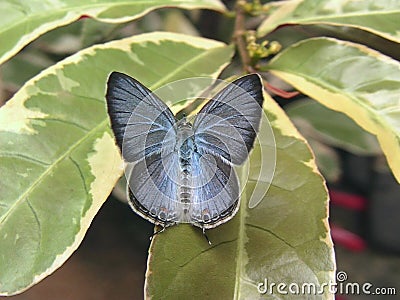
<point x="183" y="171"/>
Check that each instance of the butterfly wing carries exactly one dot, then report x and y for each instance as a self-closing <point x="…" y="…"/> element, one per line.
<point x="153" y="188"/>
<point x="144" y="129"/>
<point x="224" y="133"/>
<point x="215" y="191"/>
<point x="141" y="122"/>
<point x="226" y="126"/>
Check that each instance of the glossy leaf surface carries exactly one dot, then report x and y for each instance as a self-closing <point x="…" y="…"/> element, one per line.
<point x="350" y="78"/>
<point x="24" y="21"/>
<point x="378" y="17"/>
<point x="285" y="238"/>
<point x="331" y="127"/>
<point x="58" y="158"/>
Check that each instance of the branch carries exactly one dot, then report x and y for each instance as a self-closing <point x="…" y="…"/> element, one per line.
<point x="239" y="36"/>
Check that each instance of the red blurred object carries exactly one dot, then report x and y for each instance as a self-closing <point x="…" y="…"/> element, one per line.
<point x="351" y="201"/>
<point x="347" y="239"/>
<point x="340" y="235"/>
<point x="84" y="17"/>
<point x="279" y="92"/>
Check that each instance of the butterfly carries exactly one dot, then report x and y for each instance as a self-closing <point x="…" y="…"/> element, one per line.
<point x="183" y="171"/>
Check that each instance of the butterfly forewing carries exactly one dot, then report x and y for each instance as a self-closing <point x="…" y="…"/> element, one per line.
<point x="227" y="124"/>
<point x="141" y="122"/>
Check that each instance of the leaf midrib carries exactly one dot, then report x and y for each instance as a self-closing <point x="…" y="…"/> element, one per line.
<point x="69" y="150"/>
<point x="240" y="244"/>
<point x="182" y="67"/>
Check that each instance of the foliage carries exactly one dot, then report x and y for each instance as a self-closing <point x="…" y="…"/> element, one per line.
<point x="59" y="161"/>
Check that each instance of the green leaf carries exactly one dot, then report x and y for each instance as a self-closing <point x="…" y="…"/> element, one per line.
<point x="378" y="17"/>
<point x="23" y="21"/>
<point x="350" y="78"/>
<point x="331" y="127"/>
<point x="31" y="63"/>
<point x="96" y="32"/>
<point x="327" y="160"/>
<point x="58" y="157"/>
<point x="176" y="21"/>
<point x="285" y="238"/>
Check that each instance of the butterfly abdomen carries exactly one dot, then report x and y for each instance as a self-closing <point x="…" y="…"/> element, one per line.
<point x="185" y="189"/>
<point x="185" y="149"/>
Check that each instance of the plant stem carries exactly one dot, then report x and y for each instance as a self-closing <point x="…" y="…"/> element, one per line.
<point x="239" y="38"/>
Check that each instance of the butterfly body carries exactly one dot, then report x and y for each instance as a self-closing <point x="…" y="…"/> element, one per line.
<point x="185" y="145"/>
<point x="182" y="172"/>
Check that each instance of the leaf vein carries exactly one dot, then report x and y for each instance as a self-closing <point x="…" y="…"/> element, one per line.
<point x="37" y="221"/>
<point x="24" y="157"/>
<point x="81" y="174"/>
<point x="206" y="250"/>
<point x="272" y="233"/>
<point x="47" y="171"/>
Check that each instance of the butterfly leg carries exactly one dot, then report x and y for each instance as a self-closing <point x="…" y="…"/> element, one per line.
<point x="204" y="233"/>
<point x="157" y="232"/>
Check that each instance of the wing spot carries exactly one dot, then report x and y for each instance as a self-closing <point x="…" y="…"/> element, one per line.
<point x="205" y="215"/>
<point x="162" y="215"/>
<point x="153" y="212"/>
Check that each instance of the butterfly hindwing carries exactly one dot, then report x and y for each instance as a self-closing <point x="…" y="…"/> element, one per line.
<point x="227" y="124"/>
<point x="153" y="188"/>
<point x="215" y="193"/>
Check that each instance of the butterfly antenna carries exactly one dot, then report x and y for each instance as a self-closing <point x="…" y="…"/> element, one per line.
<point x="157" y="232"/>
<point x="205" y="235"/>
